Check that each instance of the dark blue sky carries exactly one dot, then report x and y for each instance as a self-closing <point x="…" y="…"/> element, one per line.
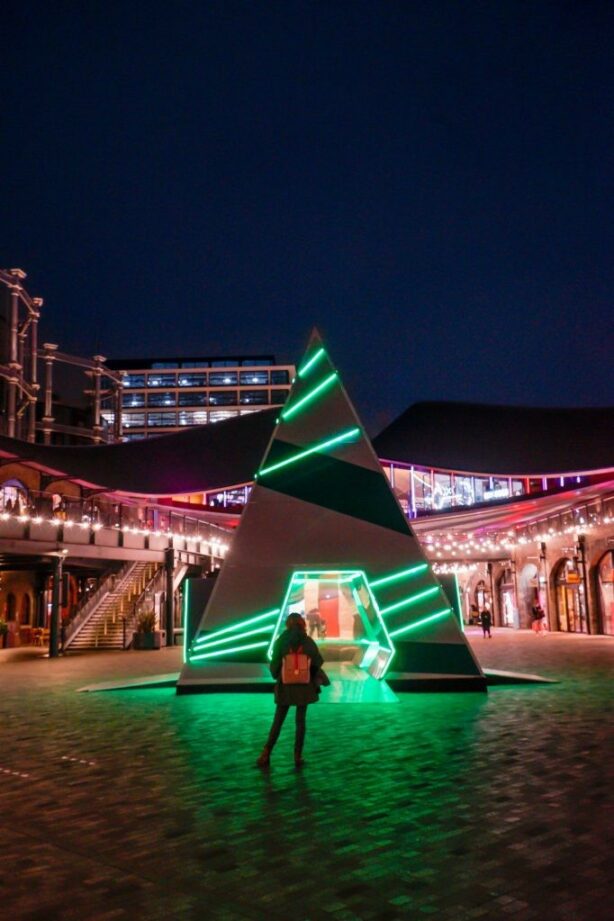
<point x="429" y="183"/>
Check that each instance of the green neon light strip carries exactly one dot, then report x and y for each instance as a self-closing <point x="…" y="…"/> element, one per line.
<point x="406" y="602"/>
<point x="320" y="446"/>
<point x="315" y="358"/>
<point x="311" y="395"/>
<point x="227" y="652"/>
<point x="344" y="581"/>
<point x="186" y="608"/>
<point x="397" y="576"/>
<point x="459" y="603"/>
<point x="233" y="638"/>
<point x="237" y="626"/>
<point x="425" y="620"/>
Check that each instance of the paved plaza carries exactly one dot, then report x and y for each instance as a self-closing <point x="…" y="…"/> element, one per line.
<point x="145" y="805"/>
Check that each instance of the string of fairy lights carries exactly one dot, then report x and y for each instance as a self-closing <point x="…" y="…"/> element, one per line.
<point x="214" y="546"/>
<point x="441" y="545"/>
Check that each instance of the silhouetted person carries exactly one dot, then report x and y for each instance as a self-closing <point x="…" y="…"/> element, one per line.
<point x="486" y="621"/>
<point x="296" y="661"/>
<point x="539" y="615"/>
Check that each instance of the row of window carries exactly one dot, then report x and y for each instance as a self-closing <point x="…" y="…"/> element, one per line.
<point x="215" y="363"/>
<point x="174" y="419"/>
<point x="218" y="398"/>
<point x="422" y="490"/>
<point x="208" y="378"/>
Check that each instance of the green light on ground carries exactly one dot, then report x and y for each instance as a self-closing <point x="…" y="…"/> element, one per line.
<point x="348" y="435"/>
<point x="186" y="608"/>
<point x="227" y="652"/>
<point x="420" y="623"/>
<point x="315" y="358"/>
<point x="413" y="599"/>
<point x="310" y="396"/>
<point x="397" y="576"/>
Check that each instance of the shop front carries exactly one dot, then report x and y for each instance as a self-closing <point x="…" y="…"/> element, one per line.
<point x="570" y="597"/>
<point x="605" y="592"/>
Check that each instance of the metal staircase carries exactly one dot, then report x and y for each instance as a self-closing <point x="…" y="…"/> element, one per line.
<point x="106" y="619"/>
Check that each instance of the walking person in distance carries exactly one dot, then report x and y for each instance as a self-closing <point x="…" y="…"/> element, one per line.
<point x="295" y="663"/>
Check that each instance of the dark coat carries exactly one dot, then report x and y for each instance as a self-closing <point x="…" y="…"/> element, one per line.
<point x="295" y="695"/>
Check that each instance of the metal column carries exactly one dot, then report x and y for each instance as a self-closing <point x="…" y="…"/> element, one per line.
<point x="37" y="301"/>
<point x="56" y="600"/>
<point x="49" y="348"/>
<point x="97" y="426"/>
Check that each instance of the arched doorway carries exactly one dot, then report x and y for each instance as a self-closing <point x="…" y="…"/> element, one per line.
<point x="26" y="610"/>
<point x="14" y="497"/>
<point x="11" y="606"/>
<point x="605" y="591"/>
<point x="528" y="589"/>
<point x="507" y="599"/>
<point x="483" y="595"/>
<point x="570" y="600"/>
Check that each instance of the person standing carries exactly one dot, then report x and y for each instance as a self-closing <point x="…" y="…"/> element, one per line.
<point x="295" y="663"/>
<point x="539" y="615"/>
<point x="486" y="621"/>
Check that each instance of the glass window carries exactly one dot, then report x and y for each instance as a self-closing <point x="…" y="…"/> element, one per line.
<point x="219" y="415"/>
<point x="422" y="489"/>
<point x="442" y="496"/>
<point x="280" y="377"/>
<point x="401" y="487"/>
<point x="225" y="363"/>
<point x="254" y="377"/>
<point x="279" y="396"/>
<point x="256" y="362"/>
<point x="257" y="397"/>
<point x="164" y="364"/>
<point x="192" y="380"/>
<point x="497" y="489"/>
<point x="223" y="378"/>
<point x="195" y="363"/>
<point x="517" y="487"/>
<point x="161" y="380"/>
<point x="133" y="399"/>
<point x="480" y="486"/>
<point x="192" y="399"/>
<point x="223" y="398"/>
<point x="134" y="380"/>
<point x="464" y="492"/>
<point x="135" y="436"/>
<point x="161" y="419"/>
<point x="133" y="420"/>
<point x="198" y="417"/>
<point x="164" y="398"/>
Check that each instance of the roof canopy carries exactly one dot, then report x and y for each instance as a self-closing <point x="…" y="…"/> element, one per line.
<point x="475" y="438"/>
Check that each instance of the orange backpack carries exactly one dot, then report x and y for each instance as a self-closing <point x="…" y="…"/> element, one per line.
<point x="295" y="667"/>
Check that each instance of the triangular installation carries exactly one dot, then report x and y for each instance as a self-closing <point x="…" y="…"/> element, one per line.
<point x="323" y="534"/>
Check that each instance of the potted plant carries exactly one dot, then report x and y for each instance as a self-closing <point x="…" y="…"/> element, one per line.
<point x="146" y="635"/>
<point x="4" y="630"/>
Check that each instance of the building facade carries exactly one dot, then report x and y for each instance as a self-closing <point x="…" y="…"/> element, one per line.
<point x="164" y="395"/>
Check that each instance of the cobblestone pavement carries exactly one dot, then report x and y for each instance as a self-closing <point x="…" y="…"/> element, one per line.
<point x="145" y="805"/>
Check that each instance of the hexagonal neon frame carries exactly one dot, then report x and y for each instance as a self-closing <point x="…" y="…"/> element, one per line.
<point x="380" y="649"/>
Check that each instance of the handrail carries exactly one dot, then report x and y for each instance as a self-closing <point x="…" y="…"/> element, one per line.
<point x="117" y="580"/>
<point x="130" y="619"/>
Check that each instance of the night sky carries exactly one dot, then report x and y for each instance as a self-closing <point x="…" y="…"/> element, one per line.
<point x="429" y="183"/>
